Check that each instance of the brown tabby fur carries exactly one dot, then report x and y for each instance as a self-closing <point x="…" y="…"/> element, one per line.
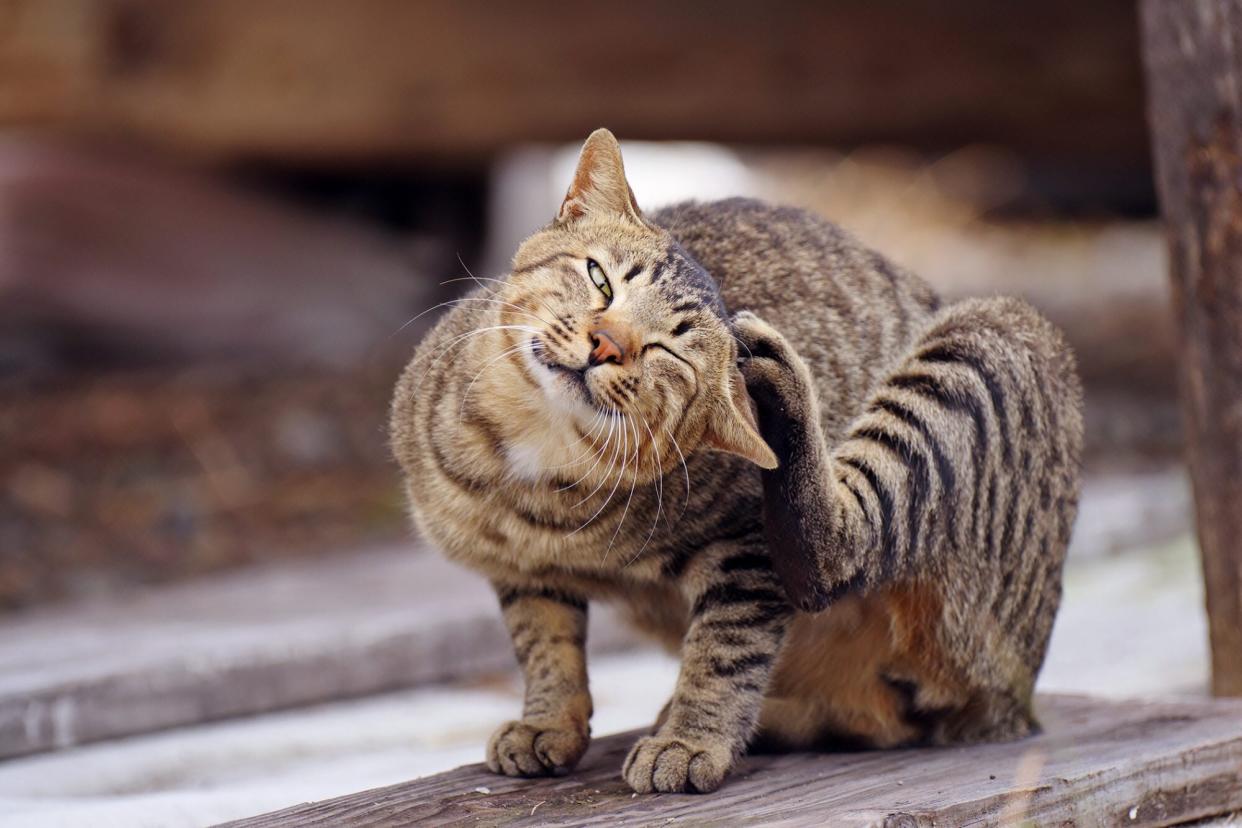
<point x="890" y="577"/>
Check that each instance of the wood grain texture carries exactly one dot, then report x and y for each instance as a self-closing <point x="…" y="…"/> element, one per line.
<point x="1098" y="763"/>
<point x="248" y="642"/>
<point x="1195" y="81"/>
<point x="319" y="80"/>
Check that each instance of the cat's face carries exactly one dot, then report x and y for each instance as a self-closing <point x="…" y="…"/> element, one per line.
<point x="628" y="338"/>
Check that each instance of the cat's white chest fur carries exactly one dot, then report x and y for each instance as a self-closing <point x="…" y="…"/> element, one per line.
<point x="526" y="461"/>
<point x="539" y="449"/>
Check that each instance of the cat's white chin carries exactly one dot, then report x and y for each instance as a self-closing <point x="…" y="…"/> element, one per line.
<point x="565" y="394"/>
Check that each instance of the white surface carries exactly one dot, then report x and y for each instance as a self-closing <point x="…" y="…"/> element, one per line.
<point x="1131" y="625"/>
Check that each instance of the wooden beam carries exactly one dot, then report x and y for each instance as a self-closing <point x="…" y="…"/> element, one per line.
<point x="250" y="642"/>
<point x="77" y="273"/>
<point x="1195" y="81"/>
<point x="1098" y="763"/>
<point x="320" y="80"/>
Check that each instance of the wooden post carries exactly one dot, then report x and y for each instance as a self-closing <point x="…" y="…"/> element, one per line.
<point x="1194" y="70"/>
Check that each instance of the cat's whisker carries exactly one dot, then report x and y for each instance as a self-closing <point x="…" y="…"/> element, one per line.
<point x="445" y="304"/>
<point x="472" y="278"/>
<point x="476" y="331"/>
<point x="659" y="492"/>
<point x="443" y="350"/>
<point x="615" y="443"/>
<point x="603" y="480"/>
<point x="469" y="272"/>
<point x="465" y="397"/>
<point x="491" y="297"/>
<point x="597" y="425"/>
<point x="604" y="420"/>
<point x="655" y="447"/>
<point x="458" y="301"/>
<point x="507" y="304"/>
<point x="625" y="451"/>
<point x="599" y="456"/>
<point x="749" y="353"/>
<point x="495" y="291"/>
<point x="489" y="300"/>
<point x="684" y="467"/>
<point x="633" y="483"/>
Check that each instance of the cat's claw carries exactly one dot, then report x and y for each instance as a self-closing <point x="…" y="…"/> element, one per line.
<point x="528" y="749"/>
<point x="660" y="764"/>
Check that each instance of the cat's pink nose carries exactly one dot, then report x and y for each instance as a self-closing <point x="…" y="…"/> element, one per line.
<point x="607" y="348"/>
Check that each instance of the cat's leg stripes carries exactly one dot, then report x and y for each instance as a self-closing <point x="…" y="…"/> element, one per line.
<point x="548" y="628"/>
<point x="738" y="624"/>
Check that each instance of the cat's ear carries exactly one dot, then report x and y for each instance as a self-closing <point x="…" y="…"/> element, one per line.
<point x="733" y="427"/>
<point x="599" y="184"/>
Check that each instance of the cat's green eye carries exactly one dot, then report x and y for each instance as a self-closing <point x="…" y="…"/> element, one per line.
<point x="598" y="278"/>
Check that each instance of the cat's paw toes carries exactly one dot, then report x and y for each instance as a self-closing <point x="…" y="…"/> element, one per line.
<point x="766" y="358"/>
<point x="756" y="338"/>
<point x="659" y="764"/>
<point x="529" y="749"/>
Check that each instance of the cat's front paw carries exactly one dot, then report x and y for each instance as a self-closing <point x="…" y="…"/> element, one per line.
<point x="663" y="764"/>
<point x="528" y="748"/>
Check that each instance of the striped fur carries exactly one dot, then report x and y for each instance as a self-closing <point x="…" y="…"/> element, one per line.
<point x="918" y="482"/>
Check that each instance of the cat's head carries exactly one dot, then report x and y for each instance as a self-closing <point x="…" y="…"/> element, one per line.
<point x="626" y="330"/>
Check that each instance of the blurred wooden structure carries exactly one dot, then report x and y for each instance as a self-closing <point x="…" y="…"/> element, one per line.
<point x="451" y="83"/>
<point x="1195" y="78"/>
<point x="122" y="255"/>
<point x="331" y="82"/>
<point x="1098" y="763"/>
<point x="272" y="637"/>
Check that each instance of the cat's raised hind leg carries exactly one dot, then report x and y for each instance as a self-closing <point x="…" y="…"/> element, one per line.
<point x="960" y="473"/>
<point x="962" y="466"/>
<point x="818" y="528"/>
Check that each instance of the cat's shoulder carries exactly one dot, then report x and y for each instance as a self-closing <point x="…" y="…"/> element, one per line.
<point x="739" y="213"/>
<point x="722" y="232"/>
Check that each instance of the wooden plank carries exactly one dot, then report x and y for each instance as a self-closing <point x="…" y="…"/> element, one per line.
<point x="1097" y="763"/>
<point x="194" y="267"/>
<point x="248" y="642"/>
<point x="1195" y="74"/>
<point x="321" y="80"/>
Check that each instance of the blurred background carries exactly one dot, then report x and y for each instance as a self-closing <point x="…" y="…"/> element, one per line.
<point x="220" y="221"/>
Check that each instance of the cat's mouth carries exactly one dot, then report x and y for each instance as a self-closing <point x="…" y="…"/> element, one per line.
<point x="562" y="375"/>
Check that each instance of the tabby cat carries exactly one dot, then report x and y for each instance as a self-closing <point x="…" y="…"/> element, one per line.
<point x="845" y="505"/>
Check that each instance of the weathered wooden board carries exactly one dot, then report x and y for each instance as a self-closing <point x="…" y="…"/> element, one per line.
<point x="321" y="80"/>
<point x="1194" y="72"/>
<point x="248" y="642"/>
<point x="1098" y="763"/>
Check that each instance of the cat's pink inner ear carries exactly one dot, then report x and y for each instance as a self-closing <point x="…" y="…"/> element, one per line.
<point x="599" y="184"/>
<point x="733" y="427"/>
